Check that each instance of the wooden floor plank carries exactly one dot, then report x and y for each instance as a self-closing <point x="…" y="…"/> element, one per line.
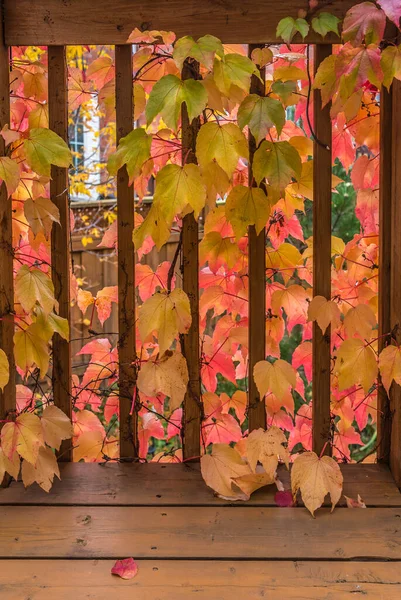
<point x="227" y="532"/>
<point x="179" y="484"/>
<point x="217" y="580"/>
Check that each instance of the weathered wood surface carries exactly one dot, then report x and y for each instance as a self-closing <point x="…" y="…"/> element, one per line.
<point x="158" y="484"/>
<point x="322" y="175"/>
<point x="395" y="289"/>
<point x="60" y="238"/>
<point x="200" y="533"/>
<point x="125" y="260"/>
<point x="7" y="397"/>
<point x="190" y="346"/>
<point x="81" y="22"/>
<point x="257" y="286"/>
<point x="204" y="580"/>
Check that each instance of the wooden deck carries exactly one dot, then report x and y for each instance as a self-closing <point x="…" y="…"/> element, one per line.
<point x="188" y="544"/>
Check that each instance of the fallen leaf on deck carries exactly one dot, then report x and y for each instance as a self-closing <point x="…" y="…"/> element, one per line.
<point x="125" y="568"/>
<point x="351" y="503"/>
<point x="284" y="498"/>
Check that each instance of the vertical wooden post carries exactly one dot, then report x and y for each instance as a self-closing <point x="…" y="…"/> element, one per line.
<point x="190" y="250"/>
<point x="385" y="251"/>
<point x="7" y="397"/>
<point x="60" y="237"/>
<point x="322" y="176"/>
<point x="126" y="260"/>
<point x="257" y="288"/>
<point x="395" y="289"/>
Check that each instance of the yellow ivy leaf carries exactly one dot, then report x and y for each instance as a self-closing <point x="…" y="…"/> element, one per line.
<point x="154" y="226"/>
<point x="216" y="181"/>
<point x="267" y="447"/>
<point x="316" y="477"/>
<point x="304" y="185"/>
<point x="24" y="436"/>
<point x="219" y="467"/>
<point x="247" y="206"/>
<point x="275" y="377"/>
<point x="42" y="472"/>
<point x="31" y="349"/>
<point x="261" y="114"/>
<point x="9" y="466"/>
<point x="4" y="371"/>
<point x="9" y="173"/>
<point x="356" y="363"/>
<point x="324" y="312"/>
<point x="217" y="251"/>
<point x="56" y="426"/>
<point x="390" y="366"/>
<point x="360" y="320"/>
<point x="168" y="375"/>
<point x="41" y="213"/>
<point x="247" y="484"/>
<point x="234" y="69"/>
<point x="278" y="162"/>
<point x="31" y="286"/>
<point x="224" y="144"/>
<point x="167" y="315"/>
<point x="44" y="148"/>
<point x="285" y="259"/>
<point x="176" y="188"/>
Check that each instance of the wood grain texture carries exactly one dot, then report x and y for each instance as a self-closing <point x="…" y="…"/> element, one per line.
<point x="395" y="289"/>
<point x="60" y="238"/>
<point x="385" y="252"/>
<point x="157" y="484"/>
<point x="200" y="532"/>
<point x="322" y="174"/>
<point x="205" y="580"/>
<point x="76" y="22"/>
<point x="7" y="397"/>
<point x="192" y="414"/>
<point x="126" y="260"/>
<point x="257" y="287"/>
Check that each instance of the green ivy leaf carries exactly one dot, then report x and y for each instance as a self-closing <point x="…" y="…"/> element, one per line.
<point x="167" y="96"/>
<point x="177" y="188"/>
<point x="234" y="69"/>
<point x="288" y="27"/>
<point x="44" y="148"/>
<point x="324" y="23"/>
<point x="278" y="162"/>
<point x="284" y="89"/>
<point x="133" y="151"/>
<point x="9" y="173"/>
<point x="203" y="50"/>
<point x="261" y="114"/>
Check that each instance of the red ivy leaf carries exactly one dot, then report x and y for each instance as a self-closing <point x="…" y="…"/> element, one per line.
<point x="284" y="498"/>
<point x="125" y="568"/>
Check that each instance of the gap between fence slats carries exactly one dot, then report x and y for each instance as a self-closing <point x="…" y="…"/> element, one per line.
<point x="395" y="288"/>
<point x="126" y="260"/>
<point x="322" y="184"/>
<point x="60" y="237"/>
<point x="257" y="286"/>
<point x="7" y="397"/>
<point x="385" y="249"/>
<point x="192" y="413"/>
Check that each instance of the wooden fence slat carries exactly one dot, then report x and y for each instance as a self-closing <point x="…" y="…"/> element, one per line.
<point x="7" y="397"/>
<point x="192" y="414"/>
<point x="257" y="287"/>
<point x="76" y="22"/>
<point x="395" y="289"/>
<point x="322" y="176"/>
<point x="126" y="260"/>
<point x="385" y="251"/>
<point x="60" y="236"/>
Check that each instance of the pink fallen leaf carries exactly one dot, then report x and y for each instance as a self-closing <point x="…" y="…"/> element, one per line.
<point x="351" y="503"/>
<point x="284" y="498"/>
<point x="125" y="568"/>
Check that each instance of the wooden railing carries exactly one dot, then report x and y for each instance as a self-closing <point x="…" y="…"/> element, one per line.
<point x="77" y="22"/>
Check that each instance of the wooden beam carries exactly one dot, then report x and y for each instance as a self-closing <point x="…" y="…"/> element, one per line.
<point x="395" y="289"/>
<point x="322" y="175"/>
<point x="385" y="256"/>
<point x="126" y="260"/>
<point x="41" y="22"/>
<point x="7" y="397"/>
<point x="257" y="287"/>
<point x="191" y="430"/>
<point x="60" y="237"/>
